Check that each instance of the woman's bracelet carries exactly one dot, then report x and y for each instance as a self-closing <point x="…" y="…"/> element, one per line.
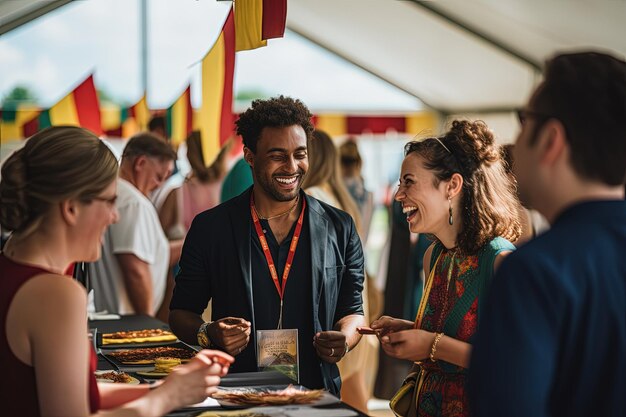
<point x="433" y="348"/>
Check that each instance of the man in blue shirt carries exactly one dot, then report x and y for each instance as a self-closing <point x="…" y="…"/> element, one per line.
<point x="552" y="341"/>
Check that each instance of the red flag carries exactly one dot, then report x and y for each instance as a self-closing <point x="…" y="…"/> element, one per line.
<point x="79" y="108"/>
<point x="274" y="18"/>
<point x="88" y="106"/>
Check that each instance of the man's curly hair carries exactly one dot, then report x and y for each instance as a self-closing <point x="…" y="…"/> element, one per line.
<point x="274" y="112"/>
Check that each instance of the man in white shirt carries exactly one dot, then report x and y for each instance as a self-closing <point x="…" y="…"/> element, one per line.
<point x="131" y="275"/>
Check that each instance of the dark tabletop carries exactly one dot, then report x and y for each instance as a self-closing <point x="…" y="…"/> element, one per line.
<point x="139" y="322"/>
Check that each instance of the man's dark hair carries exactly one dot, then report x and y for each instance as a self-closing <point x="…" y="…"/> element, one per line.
<point x="157" y="122"/>
<point x="275" y="112"/>
<point x="148" y="144"/>
<point x="586" y="92"/>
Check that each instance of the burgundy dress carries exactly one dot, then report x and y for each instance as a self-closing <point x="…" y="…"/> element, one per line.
<point x="19" y="397"/>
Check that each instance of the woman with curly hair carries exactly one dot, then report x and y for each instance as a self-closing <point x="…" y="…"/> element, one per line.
<point x="454" y="188"/>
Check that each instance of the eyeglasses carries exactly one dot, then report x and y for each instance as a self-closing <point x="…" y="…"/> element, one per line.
<point x="110" y="201"/>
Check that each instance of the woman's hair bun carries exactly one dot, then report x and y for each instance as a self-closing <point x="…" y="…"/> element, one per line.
<point x="477" y="140"/>
<point x="55" y="164"/>
<point x="14" y="211"/>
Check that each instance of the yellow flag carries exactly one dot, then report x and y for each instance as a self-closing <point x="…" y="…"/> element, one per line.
<point x="215" y="118"/>
<point x="248" y="25"/>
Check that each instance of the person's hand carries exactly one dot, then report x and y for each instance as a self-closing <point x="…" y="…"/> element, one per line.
<point x="330" y="345"/>
<point x="193" y="382"/>
<point x="218" y="357"/>
<point x="231" y="334"/>
<point x="385" y="325"/>
<point x="413" y="345"/>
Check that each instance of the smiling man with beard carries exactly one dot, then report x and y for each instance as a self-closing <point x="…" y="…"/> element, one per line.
<point x="273" y="257"/>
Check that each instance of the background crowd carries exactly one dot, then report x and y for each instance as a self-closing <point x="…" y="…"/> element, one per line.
<point x="487" y="310"/>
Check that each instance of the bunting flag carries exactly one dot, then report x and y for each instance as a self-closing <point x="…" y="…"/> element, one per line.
<point x="124" y="122"/>
<point x="179" y="117"/>
<point x="256" y="21"/>
<point x="248" y="25"/>
<point x="274" y="18"/>
<point x="111" y="117"/>
<point x="423" y="123"/>
<point x="140" y="113"/>
<point x="13" y="121"/>
<point x="215" y="118"/>
<point x="23" y="122"/>
<point x="338" y="124"/>
<point x="333" y="124"/>
<point x="79" y="108"/>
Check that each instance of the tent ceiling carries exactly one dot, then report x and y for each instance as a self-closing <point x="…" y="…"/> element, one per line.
<point x="14" y="13"/>
<point x="459" y="56"/>
<point x="455" y="55"/>
<point x="538" y="28"/>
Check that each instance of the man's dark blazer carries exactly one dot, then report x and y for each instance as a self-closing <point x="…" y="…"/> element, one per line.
<point x="215" y="264"/>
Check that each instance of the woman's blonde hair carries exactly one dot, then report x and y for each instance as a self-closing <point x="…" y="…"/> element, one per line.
<point x="350" y="158"/>
<point x="56" y="164"/>
<point x="195" y="157"/>
<point x="324" y="168"/>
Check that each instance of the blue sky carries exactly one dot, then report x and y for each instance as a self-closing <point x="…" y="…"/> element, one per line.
<point x="51" y="54"/>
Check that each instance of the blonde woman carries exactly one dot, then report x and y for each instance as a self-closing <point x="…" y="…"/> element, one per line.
<point x="324" y="182"/>
<point x="351" y="164"/>
<point x="200" y="191"/>
<point x="58" y="196"/>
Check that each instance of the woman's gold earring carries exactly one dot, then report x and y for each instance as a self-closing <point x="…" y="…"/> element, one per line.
<point x="450" y="209"/>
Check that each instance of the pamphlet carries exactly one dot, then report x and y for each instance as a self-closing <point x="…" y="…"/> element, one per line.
<point x="278" y="351"/>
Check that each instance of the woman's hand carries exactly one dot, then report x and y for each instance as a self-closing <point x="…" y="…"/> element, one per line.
<point x="386" y="325"/>
<point x="193" y="382"/>
<point x="413" y="345"/>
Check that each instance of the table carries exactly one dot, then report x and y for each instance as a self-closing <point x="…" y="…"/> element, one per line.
<point x="139" y="322"/>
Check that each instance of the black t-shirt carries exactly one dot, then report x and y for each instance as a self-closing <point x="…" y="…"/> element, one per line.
<point x="297" y="301"/>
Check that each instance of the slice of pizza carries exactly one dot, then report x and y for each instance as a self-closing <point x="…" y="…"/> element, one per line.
<point x="138" y="336"/>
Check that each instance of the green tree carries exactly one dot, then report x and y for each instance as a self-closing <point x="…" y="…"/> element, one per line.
<point x="20" y="94"/>
<point x="106" y="98"/>
<point x="249" y="95"/>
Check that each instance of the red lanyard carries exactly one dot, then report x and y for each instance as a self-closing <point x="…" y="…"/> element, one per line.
<point x="268" y="254"/>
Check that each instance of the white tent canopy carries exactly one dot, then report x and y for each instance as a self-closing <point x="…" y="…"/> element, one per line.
<point x="476" y="59"/>
<point x="479" y="58"/>
<point x="458" y="55"/>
